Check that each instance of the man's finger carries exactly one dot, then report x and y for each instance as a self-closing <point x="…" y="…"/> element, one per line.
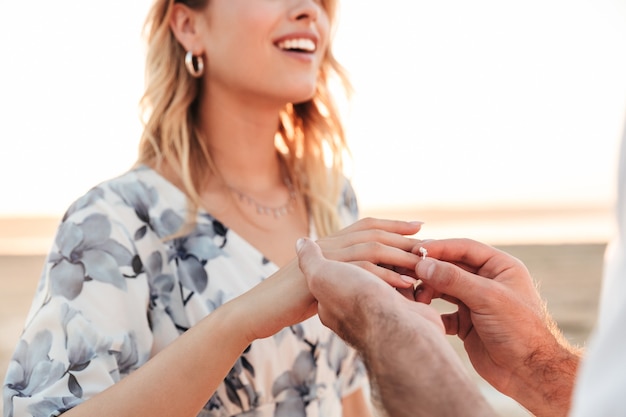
<point x="454" y="281"/>
<point x="460" y="251"/>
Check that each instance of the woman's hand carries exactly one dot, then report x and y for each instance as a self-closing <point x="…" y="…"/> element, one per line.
<point x="379" y="246"/>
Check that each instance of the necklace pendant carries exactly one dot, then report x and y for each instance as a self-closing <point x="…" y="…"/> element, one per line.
<point x="261" y="209"/>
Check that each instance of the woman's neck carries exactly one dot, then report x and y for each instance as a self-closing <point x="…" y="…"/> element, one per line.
<point x="240" y="138"/>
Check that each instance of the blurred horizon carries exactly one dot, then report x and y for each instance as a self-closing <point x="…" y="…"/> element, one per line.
<point x="33" y="234"/>
<point x="460" y="108"/>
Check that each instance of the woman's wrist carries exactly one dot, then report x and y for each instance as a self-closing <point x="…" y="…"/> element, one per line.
<point x="283" y="299"/>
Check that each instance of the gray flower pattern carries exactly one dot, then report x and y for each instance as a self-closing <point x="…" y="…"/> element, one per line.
<point x="85" y="252"/>
<point x="120" y="283"/>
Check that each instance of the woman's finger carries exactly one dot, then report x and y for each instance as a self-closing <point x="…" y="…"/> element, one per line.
<point x="393" y="226"/>
<point x="388" y="275"/>
<point x="376" y="253"/>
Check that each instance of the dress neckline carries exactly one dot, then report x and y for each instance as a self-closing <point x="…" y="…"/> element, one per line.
<point x="179" y="201"/>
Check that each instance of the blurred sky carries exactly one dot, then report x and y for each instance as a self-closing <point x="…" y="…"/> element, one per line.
<point x="458" y="103"/>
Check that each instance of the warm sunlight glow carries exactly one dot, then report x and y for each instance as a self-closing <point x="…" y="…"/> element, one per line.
<point x="458" y="104"/>
<point x="485" y="102"/>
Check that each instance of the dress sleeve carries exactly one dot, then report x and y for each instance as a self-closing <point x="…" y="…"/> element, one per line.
<point x="348" y="205"/>
<point x="88" y="325"/>
<point x="354" y="375"/>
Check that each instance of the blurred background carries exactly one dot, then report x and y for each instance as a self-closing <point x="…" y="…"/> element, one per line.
<point x="487" y="119"/>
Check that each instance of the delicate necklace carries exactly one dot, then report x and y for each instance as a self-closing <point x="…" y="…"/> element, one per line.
<point x="278" y="211"/>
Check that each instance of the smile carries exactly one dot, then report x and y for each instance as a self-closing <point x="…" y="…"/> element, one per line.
<point x="297" y="45"/>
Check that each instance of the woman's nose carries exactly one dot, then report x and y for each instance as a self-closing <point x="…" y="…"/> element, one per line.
<point x="306" y="10"/>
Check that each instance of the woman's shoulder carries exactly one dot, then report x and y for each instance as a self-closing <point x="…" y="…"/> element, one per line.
<point x="138" y="194"/>
<point x="138" y="177"/>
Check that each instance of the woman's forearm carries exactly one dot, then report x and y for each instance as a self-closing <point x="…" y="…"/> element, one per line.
<point x="180" y="379"/>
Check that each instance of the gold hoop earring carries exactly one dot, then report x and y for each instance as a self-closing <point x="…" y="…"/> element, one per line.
<point x="195" y="69"/>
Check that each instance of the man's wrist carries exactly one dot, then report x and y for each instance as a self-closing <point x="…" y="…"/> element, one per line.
<point x="546" y="381"/>
<point x="414" y="371"/>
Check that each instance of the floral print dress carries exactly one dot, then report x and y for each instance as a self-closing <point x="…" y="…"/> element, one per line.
<point x="114" y="292"/>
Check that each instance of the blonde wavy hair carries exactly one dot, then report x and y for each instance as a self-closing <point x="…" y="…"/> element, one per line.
<point x="310" y="136"/>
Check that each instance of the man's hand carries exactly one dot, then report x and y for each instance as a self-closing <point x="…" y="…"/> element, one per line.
<point x="508" y="334"/>
<point x="413" y="369"/>
<point x="350" y="296"/>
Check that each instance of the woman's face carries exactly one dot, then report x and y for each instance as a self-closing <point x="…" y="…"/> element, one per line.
<point x="264" y="49"/>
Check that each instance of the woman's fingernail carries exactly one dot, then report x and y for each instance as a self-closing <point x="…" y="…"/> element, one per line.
<point x="416" y="222"/>
<point x="299" y="244"/>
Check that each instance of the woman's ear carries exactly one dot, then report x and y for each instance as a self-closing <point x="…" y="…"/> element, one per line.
<point x="184" y="25"/>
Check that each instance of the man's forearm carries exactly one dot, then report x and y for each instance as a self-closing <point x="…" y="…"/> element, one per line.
<point x="415" y="372"/>
<point x="545" y="384"/>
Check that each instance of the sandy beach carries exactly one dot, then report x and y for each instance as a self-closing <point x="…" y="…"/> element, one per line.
<point x="568" y="275"/>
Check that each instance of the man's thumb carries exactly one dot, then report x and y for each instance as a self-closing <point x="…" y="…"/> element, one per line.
<point x="308" y="253"/>
<point x="449" y="279"/>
